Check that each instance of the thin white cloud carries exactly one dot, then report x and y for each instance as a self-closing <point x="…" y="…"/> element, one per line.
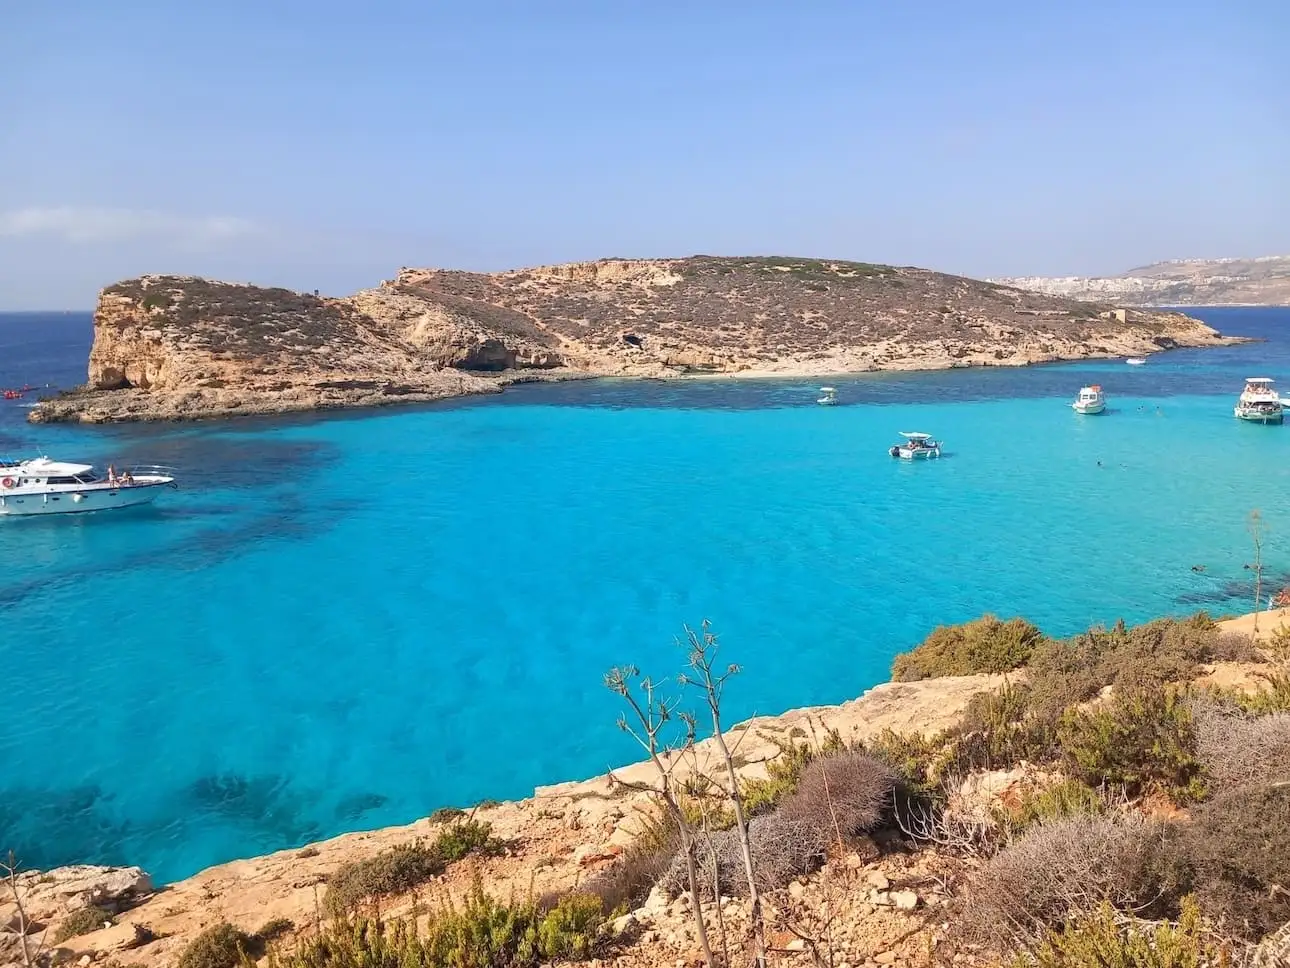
<point x="87" y="225"/>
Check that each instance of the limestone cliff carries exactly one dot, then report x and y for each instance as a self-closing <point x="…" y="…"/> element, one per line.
<point x="1183" y="282"/>
<point x="168" y="347"/>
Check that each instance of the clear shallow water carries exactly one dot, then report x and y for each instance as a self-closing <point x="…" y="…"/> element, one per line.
<point x="347" y="622"/>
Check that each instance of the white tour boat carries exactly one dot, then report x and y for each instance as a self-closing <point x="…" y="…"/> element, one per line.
<point x="830" y="397"/>
<point x="1090" y="400"/>
<point x="44" y="486"/>
<point x="1135" y="361"/>
<point x="1259" y="402"/>
<point x="917" y="446"/>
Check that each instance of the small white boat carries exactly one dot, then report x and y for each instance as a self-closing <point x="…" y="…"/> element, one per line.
<point x="917" y="446"/>
<point x="1259" y="402"/>
<point x="1090" y="400"/>
<point x="1135" y="361"/>
<point x="830" y="397"/>
<point x="44" y="486"/>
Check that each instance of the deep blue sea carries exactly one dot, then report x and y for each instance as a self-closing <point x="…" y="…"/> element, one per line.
<point x="345" y="622"/>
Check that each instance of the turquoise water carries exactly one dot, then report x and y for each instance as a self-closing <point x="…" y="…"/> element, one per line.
<point x="346" y="622"/>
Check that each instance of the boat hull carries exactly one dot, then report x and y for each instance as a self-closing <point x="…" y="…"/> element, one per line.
<point x="1260" y="417"/>
<point x="1089" y="409"/>
<point x="922" y="453"/>
<point x="78" y="502"/>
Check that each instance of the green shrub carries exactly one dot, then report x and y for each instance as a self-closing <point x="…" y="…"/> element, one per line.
<point x="446" y="814"/>
<point x="1274" y="697"/>
<point x="1240" y="842"/>
<point x="1063" y="800"/>
<point x="984" y="645"/>
<point x="1064" y="673"/>
<point x="275" y="929"/>
<point x="1101" y="941"/>
<point x="80" y="922"/>
<point x="919" y="760"/>
<point x="407" y="866"/>
<point x="390" y="872"/>
<point x="481" y="932"/>
<point x="219" y="946"/>
<point x="466" y="837"/>
<point x="999" y="730"/>
<point x="1142" y="740"/>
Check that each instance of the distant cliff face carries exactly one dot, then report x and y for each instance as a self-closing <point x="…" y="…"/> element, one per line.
<point x="1187" y="282"/>
<point x="175" y="347"/>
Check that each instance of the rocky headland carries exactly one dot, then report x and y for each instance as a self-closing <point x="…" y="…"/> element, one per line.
<point x="964" y="817"/>
<point x="168" y="347"/>
<point x="1264" y="281"/>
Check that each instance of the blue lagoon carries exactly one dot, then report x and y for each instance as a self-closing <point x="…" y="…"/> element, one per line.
<point x="349" y="621"/>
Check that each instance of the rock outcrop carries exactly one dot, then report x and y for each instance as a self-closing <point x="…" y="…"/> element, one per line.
<point x="1184" y="282"/>
<point x="168" y="347"/>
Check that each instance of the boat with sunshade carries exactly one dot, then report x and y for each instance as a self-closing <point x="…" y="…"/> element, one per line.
<point x="916" y="446"/>
<point x="44" y="486"/>
<point x="1259" y="402"/>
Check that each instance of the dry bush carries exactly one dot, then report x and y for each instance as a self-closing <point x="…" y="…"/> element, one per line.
<point x="781" y="850"/>
<point x="1062" y="870"/>
<point x="393" y="871"/>
<point x="984" y="645"/>
<point x="1235" y="647"/>
<point x="1240" y="842"/>
<point x="842" y="796"/>
<point x="628" y="880"/>
<point x="1236" y="748"/>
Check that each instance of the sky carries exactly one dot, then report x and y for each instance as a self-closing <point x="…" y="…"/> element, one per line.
<point x="324" y="144"/>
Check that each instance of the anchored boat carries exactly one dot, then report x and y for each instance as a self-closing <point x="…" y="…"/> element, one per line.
<point x="44" y="486"/>
<point x="917" y="446"/>
<point x="1090" y="400"/>
<point x="1259" y="402"/>
<point x="830" y="397"/>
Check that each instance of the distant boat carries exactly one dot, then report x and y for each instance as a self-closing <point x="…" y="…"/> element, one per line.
<point x="830" y="397"/>
<point x="917" y="446"/>
<point x="1135" y="361"/>
<point x="1259" y="402"/>
<point x="1090" y="400"/>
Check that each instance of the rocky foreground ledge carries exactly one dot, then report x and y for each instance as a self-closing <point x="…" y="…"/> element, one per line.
<point x="174" y="348"/>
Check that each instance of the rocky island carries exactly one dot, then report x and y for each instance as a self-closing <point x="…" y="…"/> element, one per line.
<point x="174" y="348"/>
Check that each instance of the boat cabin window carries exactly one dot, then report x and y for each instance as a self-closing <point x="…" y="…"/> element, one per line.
<point x="63" y="480"/>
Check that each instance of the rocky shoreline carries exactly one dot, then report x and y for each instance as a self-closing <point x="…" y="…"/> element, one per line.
<point x="182" y="348"/>
<point x="891" y="900"/>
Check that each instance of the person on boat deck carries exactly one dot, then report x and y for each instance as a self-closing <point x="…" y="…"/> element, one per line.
<point x="111" y="474"/>
<point x="127" y="478"/>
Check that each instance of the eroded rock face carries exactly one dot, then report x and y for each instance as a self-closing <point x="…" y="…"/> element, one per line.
<point x="168" y="347"/>
<point x="50" y="894"/>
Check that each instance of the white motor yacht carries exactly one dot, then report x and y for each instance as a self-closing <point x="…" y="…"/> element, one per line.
<point x="1090" y="400"/>
<point x="917" y="446"/>
<point x="44" y="486"/>
<point x="830" y="397"/>
<point x="1259" y="402"/>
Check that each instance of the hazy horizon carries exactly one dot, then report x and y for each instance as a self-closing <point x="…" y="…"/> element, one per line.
<point x="322" y="146"/>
